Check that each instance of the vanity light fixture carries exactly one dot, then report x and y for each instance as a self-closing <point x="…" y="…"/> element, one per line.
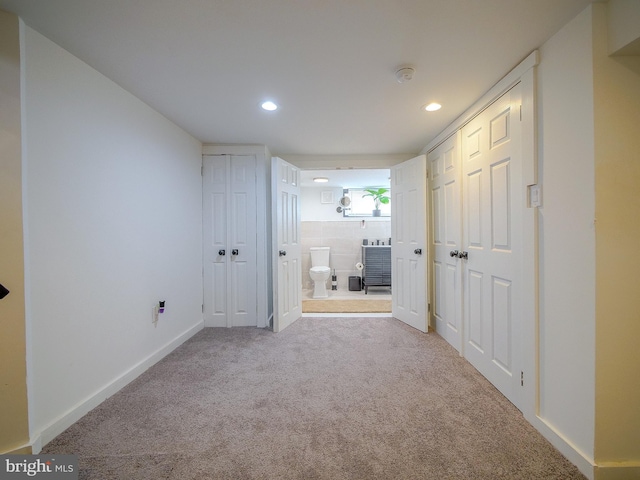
<point x="432" y="107"/>
<point x="320" y="179"/>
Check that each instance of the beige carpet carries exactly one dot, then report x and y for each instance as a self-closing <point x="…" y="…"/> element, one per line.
<point x="326" y="398"/>
<point x="346" y="306"/>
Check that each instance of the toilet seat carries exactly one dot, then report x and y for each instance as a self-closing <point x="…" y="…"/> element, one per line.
<point x="320" y="269"/>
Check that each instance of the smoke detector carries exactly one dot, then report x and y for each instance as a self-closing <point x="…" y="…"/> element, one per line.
<point x="405" y="74"/>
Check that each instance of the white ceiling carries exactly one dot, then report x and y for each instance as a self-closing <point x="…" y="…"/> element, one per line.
<point x="208" y="64"/>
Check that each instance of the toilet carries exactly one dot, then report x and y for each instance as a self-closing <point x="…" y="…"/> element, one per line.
<point x="320" y="271"/>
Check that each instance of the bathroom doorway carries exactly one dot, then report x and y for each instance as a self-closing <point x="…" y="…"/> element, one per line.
<point x="337" y="212"/>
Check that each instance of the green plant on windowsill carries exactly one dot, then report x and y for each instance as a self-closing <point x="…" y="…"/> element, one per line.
<point x="379" y="196"/>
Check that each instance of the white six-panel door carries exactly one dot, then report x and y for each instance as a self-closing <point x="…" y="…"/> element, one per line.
<point x="492" y="240"/>
<point x="409" y="242"/>
<point x="229" y="239"/>
<point x="287" y="247"/>
<point x="445" y="176"/>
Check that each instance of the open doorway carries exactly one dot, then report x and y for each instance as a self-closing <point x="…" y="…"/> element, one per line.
<point x="338" y="214"/>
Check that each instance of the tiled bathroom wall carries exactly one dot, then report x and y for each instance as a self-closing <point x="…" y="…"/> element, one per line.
<point x="345" y="240"/>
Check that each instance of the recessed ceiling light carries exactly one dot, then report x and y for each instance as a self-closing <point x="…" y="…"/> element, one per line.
<point x="269" y="106"/>
<point x="320" y="179"/>
<point x="432" y="107"/>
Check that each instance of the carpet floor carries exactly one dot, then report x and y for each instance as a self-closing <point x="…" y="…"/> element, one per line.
<point x="327" y="398"/>
<point x="346" y="306"/>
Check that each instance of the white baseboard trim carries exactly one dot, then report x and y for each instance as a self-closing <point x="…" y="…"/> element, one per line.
<point x="581" y="460"/>
<point x="64" y="421"/>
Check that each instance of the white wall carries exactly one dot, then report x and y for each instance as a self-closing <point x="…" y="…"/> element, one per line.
<point x="312" y="208"/>
<point x="567" y="234"/>
<point x="113" y="211"/>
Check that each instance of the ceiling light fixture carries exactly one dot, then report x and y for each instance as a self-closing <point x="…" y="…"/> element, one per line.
<point x="269" y="106"/>
<point x="432" y="107"/>
<point x="320" y="179"/>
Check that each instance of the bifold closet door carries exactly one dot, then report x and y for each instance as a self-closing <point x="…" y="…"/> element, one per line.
<point x="229" y="238"/>
<point x="445" y="175"/>
<point x="492" y="242"/>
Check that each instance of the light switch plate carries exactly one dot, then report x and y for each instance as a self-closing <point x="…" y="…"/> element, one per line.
<point x="535" y="196"/>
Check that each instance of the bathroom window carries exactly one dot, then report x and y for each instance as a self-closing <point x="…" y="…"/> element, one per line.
<point x="361" y="206"/>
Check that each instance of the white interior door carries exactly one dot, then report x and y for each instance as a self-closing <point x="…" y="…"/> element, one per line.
<point x="492" y="240"/>
<point x="287" y="302"/>
<point x="409" y="242"/>
<point x="229" y="239"/>
<point x="445" y="179"/>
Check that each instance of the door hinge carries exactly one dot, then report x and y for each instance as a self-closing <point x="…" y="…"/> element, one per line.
<point x="202" y="171"/>
<point x="522" y="379"/>
<point x="428" y="307"/>
<point x="520" y="112"/>
<point x="203" y="308"/>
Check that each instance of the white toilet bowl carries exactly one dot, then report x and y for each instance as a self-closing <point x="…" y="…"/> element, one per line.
<point x="320" y="275"/>
<point x="319" y="271"/>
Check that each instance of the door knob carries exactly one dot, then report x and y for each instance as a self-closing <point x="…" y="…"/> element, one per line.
<point x="282" y="253"/>
<point x="418" y="251"/>
<point x="454" y="253"/>
<point x="221" y="253"/>
<point x="234" y="251"/>
<point x="464" y="255"/>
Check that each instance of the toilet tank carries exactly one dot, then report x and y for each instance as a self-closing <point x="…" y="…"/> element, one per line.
<point x="319" y="256"/>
